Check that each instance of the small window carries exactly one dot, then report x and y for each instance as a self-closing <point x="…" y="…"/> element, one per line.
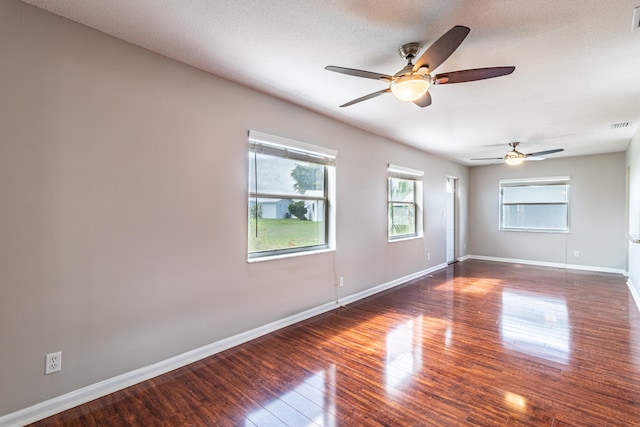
<point x="404" y="202"/>
<point x="290" y="203"/>
<point x="540" y="204"/>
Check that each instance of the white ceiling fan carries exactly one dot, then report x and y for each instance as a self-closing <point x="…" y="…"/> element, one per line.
<point x="412" y="82"/>
<point x="515" y="157"/>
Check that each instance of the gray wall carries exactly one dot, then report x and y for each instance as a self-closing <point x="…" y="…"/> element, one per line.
<point x="123" y="221"/>
<point x="633" y="165"/>
<point x="596" y="213"/>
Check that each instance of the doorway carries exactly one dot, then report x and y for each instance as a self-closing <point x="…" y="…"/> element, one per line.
<point x="450" y="217"/>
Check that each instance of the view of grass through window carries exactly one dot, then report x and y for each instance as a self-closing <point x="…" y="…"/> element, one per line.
<point x="284" y="233"/>
<point x="287" y="200"/>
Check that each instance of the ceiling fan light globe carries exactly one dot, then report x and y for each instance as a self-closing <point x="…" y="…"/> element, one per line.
<point x="513" y="158"/>
<point x="410" y="87"/>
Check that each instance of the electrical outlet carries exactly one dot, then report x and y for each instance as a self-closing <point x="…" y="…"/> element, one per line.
<point x="576" y="254"/>
<point x="428" y="256"/>
<point x="341" y="281"/>
<point x="53" y="363"/>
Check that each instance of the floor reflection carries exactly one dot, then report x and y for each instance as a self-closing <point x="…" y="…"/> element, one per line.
<point x="536" y="324"/>
<point x="515" y="401"/>
<point x="447" y="336"/>
<point x="311" y="403"/>
<point x="403" y="353"/>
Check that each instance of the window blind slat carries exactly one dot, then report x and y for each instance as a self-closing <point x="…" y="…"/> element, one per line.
<point x="290" y="149"/>
<point x="405" y="173"/>
<point x="535" y="194"/>
<point x="291" y="154"/>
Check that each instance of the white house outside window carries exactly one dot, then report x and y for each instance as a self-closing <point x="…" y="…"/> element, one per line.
<point x="404" y="202"/>
<point x="290" y="196"/>
<point x="537" y="204"/>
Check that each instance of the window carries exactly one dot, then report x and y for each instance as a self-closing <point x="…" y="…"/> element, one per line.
<point x="404" y="202"/>
<point x="291" y="194"/>
<point x="540" y="204"/>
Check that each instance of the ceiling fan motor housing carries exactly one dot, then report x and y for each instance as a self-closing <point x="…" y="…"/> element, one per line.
<point x="409" y="51"/>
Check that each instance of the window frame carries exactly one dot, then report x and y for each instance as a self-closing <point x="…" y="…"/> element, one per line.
<point x="542" y="181"/>
<point x="276" y="146"/>
<point x="416" y="176"/>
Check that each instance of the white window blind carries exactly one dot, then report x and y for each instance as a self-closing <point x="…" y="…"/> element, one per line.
<point x="290" y="149"/>
<point x="538" y="204"/>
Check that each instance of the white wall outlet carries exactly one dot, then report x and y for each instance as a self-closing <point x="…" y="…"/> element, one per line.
<point x="53" y="363"/>
<point x="341" y="281"/>
<point x="428" y="256"/>
<point x="576" y="254"/>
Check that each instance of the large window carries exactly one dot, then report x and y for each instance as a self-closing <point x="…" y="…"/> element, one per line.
<point x="540" y="204"/>
<point x="291" y="193"/>
<point x="404" y="202"/>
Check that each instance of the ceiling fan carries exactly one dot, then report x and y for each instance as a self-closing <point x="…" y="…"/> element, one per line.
<point x="412" y="82"/>
<point x="515" y="157"/>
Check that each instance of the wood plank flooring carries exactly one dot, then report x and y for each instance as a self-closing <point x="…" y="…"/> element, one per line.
<point x="478" y="343"/>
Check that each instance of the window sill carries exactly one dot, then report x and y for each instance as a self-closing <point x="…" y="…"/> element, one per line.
<point x="524" y="230"/>
<point x="291" y="255"/>
<point x="404" y="239"/>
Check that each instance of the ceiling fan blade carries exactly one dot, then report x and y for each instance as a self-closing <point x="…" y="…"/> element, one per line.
<point x="364" y="98"/>
<point x="472" y="75"/>
<point x="359" y="73"/>
<point x="424" y="100"/>
<point x="489" y="158"/>
<point x="543" y="153"/>
<point x="442" y="48"/>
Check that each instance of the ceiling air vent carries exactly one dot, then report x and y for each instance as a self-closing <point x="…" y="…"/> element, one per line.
<point x="635" y="24"/>
<point x="620" y="125"/>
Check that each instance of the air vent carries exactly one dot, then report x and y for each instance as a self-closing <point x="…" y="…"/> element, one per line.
<point x="620" y="125"/>
<point x="635" y="24"/>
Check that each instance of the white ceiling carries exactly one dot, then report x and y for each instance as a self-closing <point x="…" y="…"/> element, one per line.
<point x="577" y="63"/>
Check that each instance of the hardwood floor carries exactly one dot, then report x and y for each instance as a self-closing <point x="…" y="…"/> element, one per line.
<point x="478" y="343"/>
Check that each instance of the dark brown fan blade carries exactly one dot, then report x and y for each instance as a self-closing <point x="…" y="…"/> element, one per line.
<point x="472" y="75"/>
<point x="364" y="98"/>
<point x="542" y="153"/>
<point x="442" y="48"/>
<point x="489" y="158"/>
<point x="359" y="73"/>
<point x="423" y="101"/>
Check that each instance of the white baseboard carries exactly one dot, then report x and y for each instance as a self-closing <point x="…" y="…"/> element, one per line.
<point x="371" y="291"/>
<point x="83" y="395"/>
<point x="635" y="293"/>
<point x="550" y="264"/>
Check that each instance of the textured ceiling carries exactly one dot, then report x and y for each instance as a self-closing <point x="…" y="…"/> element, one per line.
<point x="577" y="63"/>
